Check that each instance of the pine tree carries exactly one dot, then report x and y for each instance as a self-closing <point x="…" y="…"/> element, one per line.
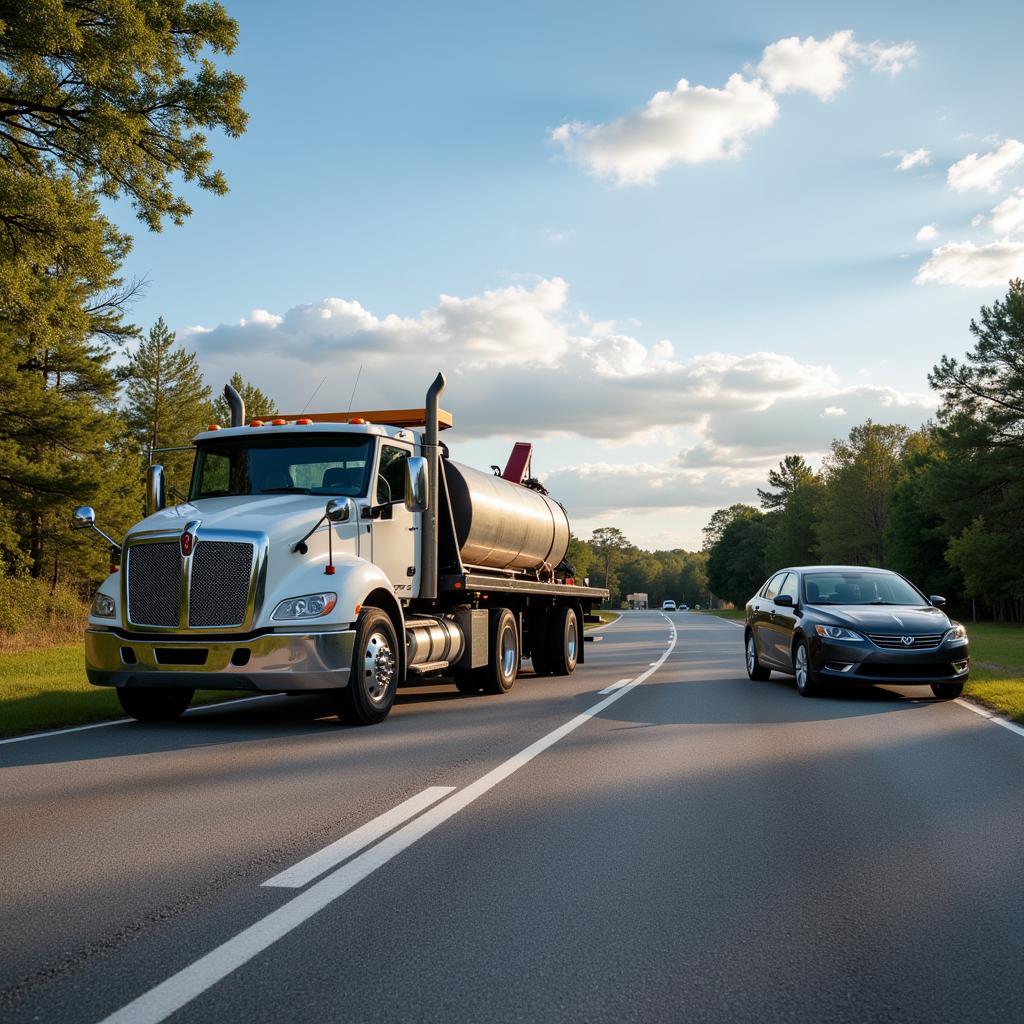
<point x="168" y="403"/>
<point x="257" y="404"/>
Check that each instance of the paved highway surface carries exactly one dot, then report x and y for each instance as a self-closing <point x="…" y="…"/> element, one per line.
<point x="688" y="847"/>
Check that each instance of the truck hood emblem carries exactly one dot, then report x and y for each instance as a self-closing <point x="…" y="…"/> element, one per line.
<point x="188" y="537"/>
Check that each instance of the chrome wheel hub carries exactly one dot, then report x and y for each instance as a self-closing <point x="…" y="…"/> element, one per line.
<point x="378" y="667"/>
<point x="801" y="667"/>
<point x="508" y="652"/>
<point x="751" y="655"/>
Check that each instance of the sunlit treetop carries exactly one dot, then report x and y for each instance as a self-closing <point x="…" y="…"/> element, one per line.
<point x="119" y="94"/>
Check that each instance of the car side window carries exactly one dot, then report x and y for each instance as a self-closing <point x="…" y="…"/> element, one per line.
<point x="791" y="588"/>
<point x="391" y="474"/>
<point x="773" y="586"/>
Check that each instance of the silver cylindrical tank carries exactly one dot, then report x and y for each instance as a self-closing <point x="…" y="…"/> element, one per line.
<point x="502" y="525"/>
<point x="433" y="639"/>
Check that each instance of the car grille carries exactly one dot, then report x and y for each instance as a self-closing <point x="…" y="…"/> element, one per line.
<point x="154" y="584"/>
<point x="219" y="587"/>
<point x="894" y="641"/>
<point x="940" y="670"/>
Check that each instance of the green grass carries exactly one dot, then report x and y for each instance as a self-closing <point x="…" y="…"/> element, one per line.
<point x="46" y="688"/>
<point x="724" y="613"/>
<point x="997" y="667"/>
<point x="607" y="618"/>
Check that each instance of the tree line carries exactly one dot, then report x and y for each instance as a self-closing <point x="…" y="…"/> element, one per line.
<point x="100" y="100"/>
<point x="609" y="560"/>
<point x="943" y="505"/>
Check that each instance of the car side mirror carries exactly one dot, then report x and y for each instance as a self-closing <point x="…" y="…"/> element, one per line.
<point x="339" y="510"/>
<point x="783" y="600"/>
<point x="937" y="601"/>
<point x="417" y="476"/>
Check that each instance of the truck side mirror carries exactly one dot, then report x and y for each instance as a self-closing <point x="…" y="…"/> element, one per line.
<point x="83" y="518"/>
<point x="156" y="490"/>
<point x="417" y="478"/>
<point x="339" y="510"/>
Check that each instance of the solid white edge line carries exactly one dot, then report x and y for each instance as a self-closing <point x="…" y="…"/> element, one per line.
<point x="124" y="721"/>
<point x="180" y="989"/>
<point x="613" y="687"/>
<point x="333" y="854"/>
<point x="990" y="715"/>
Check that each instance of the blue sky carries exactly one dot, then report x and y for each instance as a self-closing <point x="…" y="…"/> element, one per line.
<point x="665" y="304"/>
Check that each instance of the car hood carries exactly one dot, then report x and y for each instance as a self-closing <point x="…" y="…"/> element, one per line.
<point x="896" y="619"/>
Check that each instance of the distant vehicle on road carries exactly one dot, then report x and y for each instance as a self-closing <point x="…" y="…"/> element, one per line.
<point x="848" y="624"/>
<point x="668" y="606"/>
<point x="684" y="607"/>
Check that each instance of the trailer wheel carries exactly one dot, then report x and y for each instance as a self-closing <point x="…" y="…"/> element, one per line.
<point x="539" y="625"/>
<point x="563" y="641"/>
<point x="503" y="660"/>
<point x="374" y="677"/>
<point x="154" y="703"/>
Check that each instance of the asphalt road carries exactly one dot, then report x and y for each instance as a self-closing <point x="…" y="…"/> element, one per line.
<point x="692" y="846"/>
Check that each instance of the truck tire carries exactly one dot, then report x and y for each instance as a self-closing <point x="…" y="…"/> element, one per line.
<point x="503" y="659"/>
<point x="503" y="654"/>
<point x="374" y="677"/>
<point x="154" y="703"/>
<point x="563" y="641"/>
<point x="539" y="624"/>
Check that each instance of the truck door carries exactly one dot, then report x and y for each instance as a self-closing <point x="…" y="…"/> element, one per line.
<point x="395" y="531"/>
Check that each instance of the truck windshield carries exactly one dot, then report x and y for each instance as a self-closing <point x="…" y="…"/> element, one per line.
<point x="337" y="464"/>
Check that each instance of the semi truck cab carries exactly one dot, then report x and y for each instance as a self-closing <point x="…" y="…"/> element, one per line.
<point x="334" y="552"/>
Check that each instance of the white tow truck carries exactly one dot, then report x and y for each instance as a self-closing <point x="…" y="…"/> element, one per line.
<point x="336" y="552"/>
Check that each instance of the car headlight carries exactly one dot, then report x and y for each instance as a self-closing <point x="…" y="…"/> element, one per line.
<point x="309" y="606"/>
<point x="837" y="633"/>
<point x="956" y="633"/>
<point x="103" y="607"/>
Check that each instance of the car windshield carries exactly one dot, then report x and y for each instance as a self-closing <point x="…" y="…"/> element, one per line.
<point x="336" y="464"/>
<point x="859" y="588"/>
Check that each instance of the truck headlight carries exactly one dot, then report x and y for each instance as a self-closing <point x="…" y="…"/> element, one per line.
<point x="837" y="633"/>
<point x="956" y="633"/>
<point x="309" y="606"/>
<point x="103" y="607"/>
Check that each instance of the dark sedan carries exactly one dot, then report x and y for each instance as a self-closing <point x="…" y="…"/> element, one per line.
<point x="846" y="624"/>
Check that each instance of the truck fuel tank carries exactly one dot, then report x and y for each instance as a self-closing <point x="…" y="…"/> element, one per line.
<point x="504" y="525"/>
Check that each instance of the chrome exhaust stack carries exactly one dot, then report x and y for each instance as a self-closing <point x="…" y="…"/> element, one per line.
<point x="428" y="529"/>
<point x="236" y="405"/>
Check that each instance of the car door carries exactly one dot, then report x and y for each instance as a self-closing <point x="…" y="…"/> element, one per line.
<point x="783" y="621"/>
<point x="395" y="528"/>
<point x="761" y="624"/>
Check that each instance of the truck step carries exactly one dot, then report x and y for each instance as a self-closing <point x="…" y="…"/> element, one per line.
<point x="427" y="666"/>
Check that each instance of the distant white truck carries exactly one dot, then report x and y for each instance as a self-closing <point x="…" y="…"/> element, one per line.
<point x="337" y="552"/>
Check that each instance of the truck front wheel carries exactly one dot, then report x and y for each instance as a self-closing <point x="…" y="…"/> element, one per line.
<point x="154" y="703"/>
<point x="374" y="677"/>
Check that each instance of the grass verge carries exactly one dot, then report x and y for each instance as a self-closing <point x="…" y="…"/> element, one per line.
<point x="607" y="618"/>
<point x="997" y="667"/>
<point x="724" y="613"/>
<point x="46" y="688"/>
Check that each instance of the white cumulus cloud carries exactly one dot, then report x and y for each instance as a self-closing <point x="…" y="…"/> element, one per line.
<point x="692" y="124"/>
<point x="689" y="124"/>
<point x="927" y="233"/>
<point x="1008" y="216"/>
<point x="973" y="266"/>
<point x="986" y="172"/>
<point x="918" y="158"/>
<point x="822" y="66"/>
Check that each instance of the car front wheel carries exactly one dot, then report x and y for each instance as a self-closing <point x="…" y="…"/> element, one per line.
<point x="807" y="682"/>
<point x="755" y="669"/>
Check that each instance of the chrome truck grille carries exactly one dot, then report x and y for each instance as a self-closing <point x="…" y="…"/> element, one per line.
<point x="218" y="583"/>
<point x="154" y="584"/>
<point x="219" y="590"/>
